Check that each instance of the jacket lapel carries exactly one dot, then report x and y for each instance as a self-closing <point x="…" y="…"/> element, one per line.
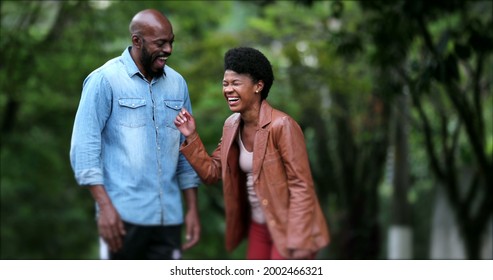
<point x="260" y="142"/>
<point x="230" y="131"/>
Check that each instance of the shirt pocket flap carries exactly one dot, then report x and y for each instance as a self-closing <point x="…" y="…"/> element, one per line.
<point x="174" y="104"/>
<point x="132" y="102"/>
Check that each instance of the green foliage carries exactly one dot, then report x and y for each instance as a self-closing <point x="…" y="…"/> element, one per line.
<point x="339" y="66"/>
<point x="448" y="45"/>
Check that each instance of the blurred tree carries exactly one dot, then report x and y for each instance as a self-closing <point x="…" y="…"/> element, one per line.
<point x="448" y="45"/>
<point x="39" y="207"/>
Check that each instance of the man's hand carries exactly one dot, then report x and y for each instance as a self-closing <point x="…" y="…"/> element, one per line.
<point x="111" y="227"/>
<point x="192" y="231"/>
<point x="192" y="222"/>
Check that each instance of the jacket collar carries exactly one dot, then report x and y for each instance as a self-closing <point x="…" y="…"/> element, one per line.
<point x="265" y="114"/>
<point x="265" y="117"/>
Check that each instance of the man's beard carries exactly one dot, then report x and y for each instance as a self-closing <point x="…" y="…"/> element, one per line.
<point x="147" y="60"/>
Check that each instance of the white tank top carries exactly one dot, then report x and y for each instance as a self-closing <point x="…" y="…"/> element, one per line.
<point x="246" y="165"/>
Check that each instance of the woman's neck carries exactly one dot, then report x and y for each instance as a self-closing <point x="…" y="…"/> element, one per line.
<point x="250" y="118"/>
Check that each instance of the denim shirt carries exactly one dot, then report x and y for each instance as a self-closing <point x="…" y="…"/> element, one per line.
<point x="124" y="138"/>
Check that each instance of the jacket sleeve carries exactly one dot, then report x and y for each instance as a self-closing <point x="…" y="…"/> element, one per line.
<point x="292" y="148"/>
<point x="208" y="167"/>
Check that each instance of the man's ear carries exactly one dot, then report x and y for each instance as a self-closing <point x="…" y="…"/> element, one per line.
<point x="136" y="41"/>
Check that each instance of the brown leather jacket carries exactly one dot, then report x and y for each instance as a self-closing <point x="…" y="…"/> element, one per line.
<point x="282" y="181"/>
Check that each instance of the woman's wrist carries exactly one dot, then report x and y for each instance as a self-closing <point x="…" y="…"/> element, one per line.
<point x="191" y="137"/>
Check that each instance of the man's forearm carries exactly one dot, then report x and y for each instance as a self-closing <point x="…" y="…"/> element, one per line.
<point x="100" y="195"/>
<point x="190" y="195"/>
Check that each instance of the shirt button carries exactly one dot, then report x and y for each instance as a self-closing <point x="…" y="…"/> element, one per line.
<point x="265" y="202"/>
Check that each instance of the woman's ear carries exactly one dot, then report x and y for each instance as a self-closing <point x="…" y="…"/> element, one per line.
<point x="260" y="86"/>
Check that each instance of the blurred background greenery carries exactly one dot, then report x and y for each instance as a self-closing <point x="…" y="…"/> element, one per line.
<point x="394" y="98"/>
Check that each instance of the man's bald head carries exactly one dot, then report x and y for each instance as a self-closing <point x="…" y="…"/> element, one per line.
<point x="148" y="20"/>
<point x="152" y="42"/>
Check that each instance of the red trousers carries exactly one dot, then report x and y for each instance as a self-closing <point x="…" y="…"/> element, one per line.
<point x="260" y="245"/>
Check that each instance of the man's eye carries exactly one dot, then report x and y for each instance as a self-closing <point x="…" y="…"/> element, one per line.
<point x="161" y="44"/>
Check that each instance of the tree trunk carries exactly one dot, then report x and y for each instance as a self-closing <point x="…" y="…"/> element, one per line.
<point x="400" y="232"/>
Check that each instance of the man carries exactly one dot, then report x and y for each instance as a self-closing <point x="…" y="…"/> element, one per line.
<point x="125" y="147"/>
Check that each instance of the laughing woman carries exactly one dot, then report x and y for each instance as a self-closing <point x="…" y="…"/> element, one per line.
<point x="263" y="164"/>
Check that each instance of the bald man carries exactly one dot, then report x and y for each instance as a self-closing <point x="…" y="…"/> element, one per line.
<point x="125" y="148"/>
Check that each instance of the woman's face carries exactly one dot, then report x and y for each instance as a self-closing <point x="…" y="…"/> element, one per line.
<point x="240" y="91"/>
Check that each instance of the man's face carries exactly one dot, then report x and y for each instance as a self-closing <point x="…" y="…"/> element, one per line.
<point x="153" y="59"/>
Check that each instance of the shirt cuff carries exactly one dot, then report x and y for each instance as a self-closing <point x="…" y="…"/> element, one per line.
<point x="90" y="177"/>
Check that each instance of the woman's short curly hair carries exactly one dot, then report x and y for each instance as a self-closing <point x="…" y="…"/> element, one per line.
<point x="250" y="61"/>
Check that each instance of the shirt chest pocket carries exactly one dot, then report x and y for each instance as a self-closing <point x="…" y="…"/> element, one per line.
<point x="171" y="109"/>
<point x="132" y="112"/>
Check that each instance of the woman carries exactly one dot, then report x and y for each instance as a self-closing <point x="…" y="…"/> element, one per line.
<point x="262" y="161"/>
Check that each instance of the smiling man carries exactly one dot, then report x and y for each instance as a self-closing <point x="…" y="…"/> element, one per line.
<point x="152" y="39"/>
<point x="125" y="147"/>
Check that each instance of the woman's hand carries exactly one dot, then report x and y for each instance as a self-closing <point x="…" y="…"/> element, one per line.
<point x="300" y="254"/>
<point x="185" y="123"/>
